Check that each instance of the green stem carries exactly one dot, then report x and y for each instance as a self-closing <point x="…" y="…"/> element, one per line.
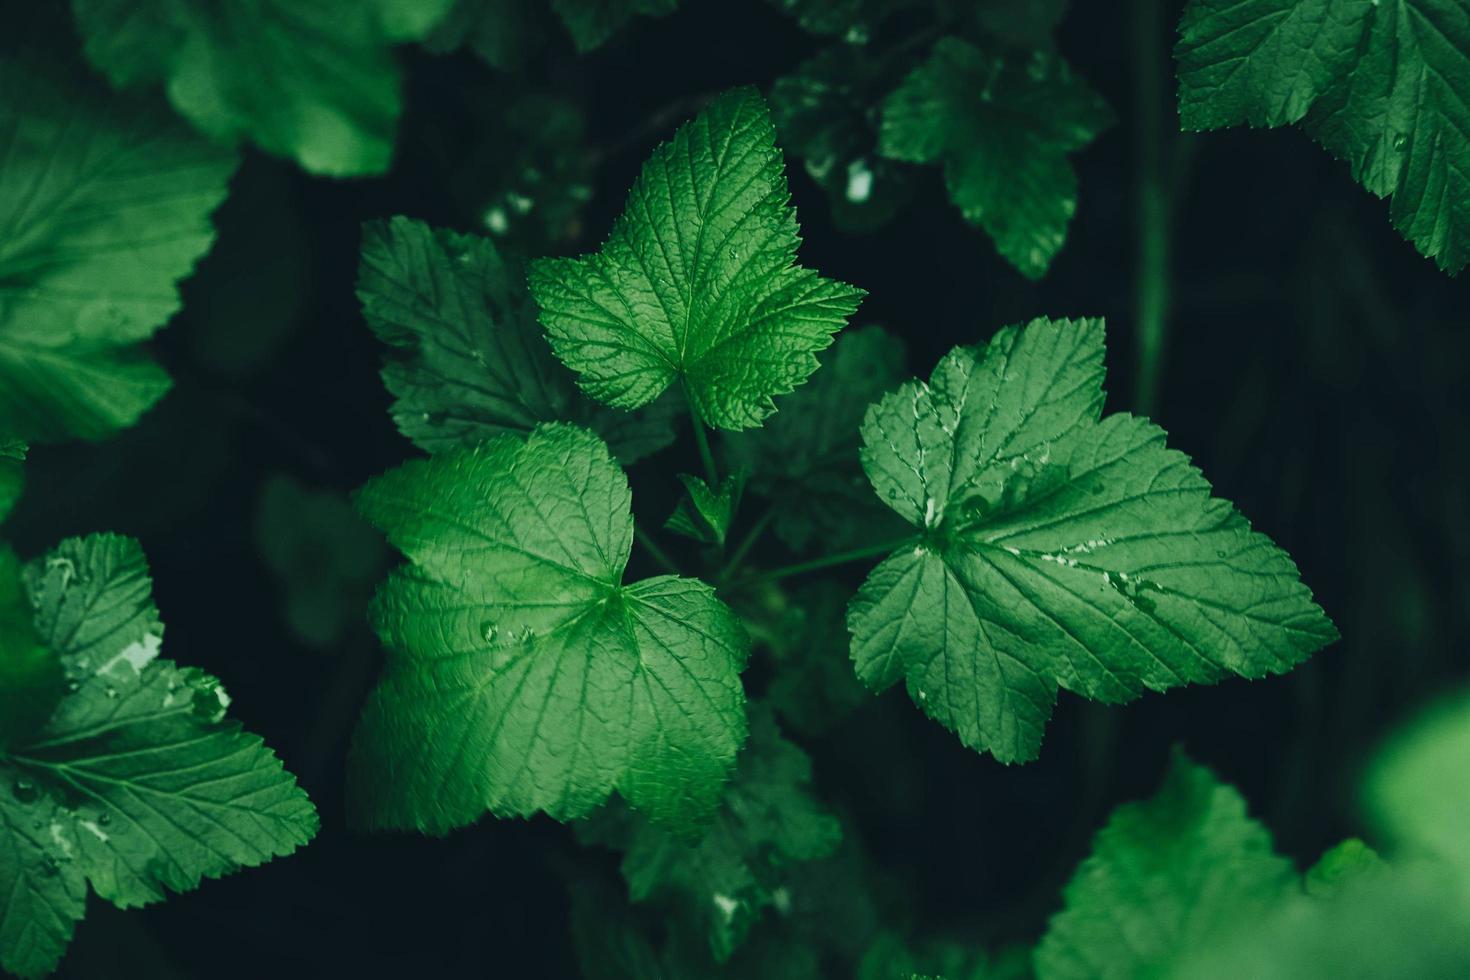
<point x="1151" y="283"/>
<point x="654" y="550"/>
<point x="711" y="473"/>
<point x="826" y="561"/>
<point x="746" y="543"/>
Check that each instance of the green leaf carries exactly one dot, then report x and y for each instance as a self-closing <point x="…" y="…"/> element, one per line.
<point x="12" y="476"/>
<point x="106" y="203"/>
<point x="317" y="82"/>
<point x="704" y="514"/>
<point x="523" y="675"/>
<point x="1163" y="876"/>
<point x="737" y="872"/>
<point x="137" y="785"/>
<point x="470" y="361"/>
<point x="1416" y="790"/>
<point x="1003" y="125"/>
<point x="1384" y="86"/>
<point x="324" y="556"/>
<point x="1056" y="548"/>
<point x="592" y="23"/>
<point x="697" y="282"/>
<point x="805" y="458"/>
<point x="826" y="114"/>
<point x="1341" y="866"/>
<point x="31" y="679"/>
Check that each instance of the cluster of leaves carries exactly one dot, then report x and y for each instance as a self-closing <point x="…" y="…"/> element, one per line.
<point x="1027" y="542"/>
<point x="1036" y="545"/>
<point x="993" y="103"/>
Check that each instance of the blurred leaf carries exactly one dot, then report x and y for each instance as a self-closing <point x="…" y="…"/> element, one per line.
<point x="106" y="202"/>
<point x="31" y="679"/>
<point x="317" y="82"/>
<point x="768" y="820"/>
<point x="1165" y="876"/>
<point x="325" y="558"/>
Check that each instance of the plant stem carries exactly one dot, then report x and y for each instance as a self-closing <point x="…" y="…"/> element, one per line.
<point x="826" y="561"/>
<point x="1152" y="191"/>
<point x="746" y="543"/>
<point x="711" y="473"/>
<point x="656" y="552"/>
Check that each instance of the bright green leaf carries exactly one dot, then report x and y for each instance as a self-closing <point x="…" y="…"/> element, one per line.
<point x="697" y="282"/>
<point x="137" y="785"/>
<point x="470" y="359"/>
<point x="805" y="458"/>
<point x="1164" y="876"/>
<point x="703" y="513"/>
<point x="1003" y="125"/>
<point x="1384" y="86"/>
<point x="317" y="82"/>
<point x="1056" y="548"/>
<point x="523" y="675"/>
<point x="106" y="203"/>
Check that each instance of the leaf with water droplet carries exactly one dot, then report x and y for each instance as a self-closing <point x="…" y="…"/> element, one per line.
<point x="593" y="686"/>
<point x="1380" y="85"/>
<point x="196" y="796"/>
<point x="1067" y="549"/>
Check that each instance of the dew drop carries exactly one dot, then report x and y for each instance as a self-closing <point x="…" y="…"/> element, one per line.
<point x="25" y="791"/>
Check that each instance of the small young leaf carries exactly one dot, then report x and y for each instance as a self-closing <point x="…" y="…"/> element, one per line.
<point x="136" y="784"/>
<point x="523" y="675"/>
<point x="705" y="514"/>
<point x="1341" y="866"/>
<point x="805" y="458"/>
<point x="1003" y="125"/>
<point x="317" y="82"/>
<point x="1056" y="548"/>
<point x="1164" y="876"/>
<point x="472" y="362"/>
<point x="106" y="203"/>
<point x="1383" y="86"/>
<point x="767" y="821"/>
<point x="697" y="282"/>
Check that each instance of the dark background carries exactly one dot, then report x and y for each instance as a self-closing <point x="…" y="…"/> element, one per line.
<point x="1315" y="371"/>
